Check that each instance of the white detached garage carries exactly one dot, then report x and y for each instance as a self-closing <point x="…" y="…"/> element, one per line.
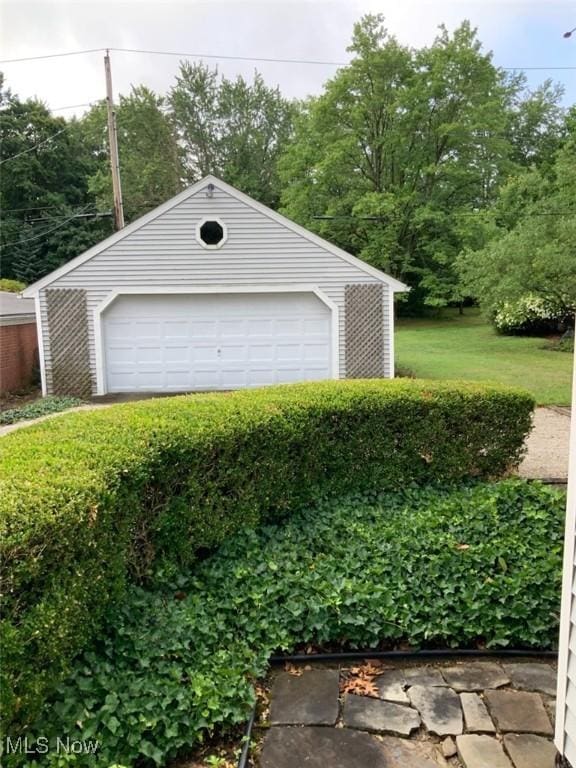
<point x="212" y="290"/>
<point x="216" y="340"/>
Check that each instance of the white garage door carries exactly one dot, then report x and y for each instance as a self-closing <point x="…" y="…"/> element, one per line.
<point x="178" y="342"/>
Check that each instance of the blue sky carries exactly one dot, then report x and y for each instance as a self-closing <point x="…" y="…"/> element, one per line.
<point x="521" y="34"/>
<point x="536" y="40"/>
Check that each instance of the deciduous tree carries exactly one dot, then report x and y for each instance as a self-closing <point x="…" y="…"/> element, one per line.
<point x="232" y="128"/>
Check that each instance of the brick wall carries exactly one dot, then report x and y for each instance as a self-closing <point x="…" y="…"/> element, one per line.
<point x="18" y="356"/>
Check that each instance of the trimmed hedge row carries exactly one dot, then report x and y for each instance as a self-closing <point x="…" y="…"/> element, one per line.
<point x="91" y="500"/>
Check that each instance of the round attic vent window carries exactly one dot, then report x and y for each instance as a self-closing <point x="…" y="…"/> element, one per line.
<point x="211" y="233"/>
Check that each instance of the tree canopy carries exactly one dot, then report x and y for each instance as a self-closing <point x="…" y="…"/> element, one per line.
<point x="529" y="236"/>
<point x="405" y="145"/>
<point x="232" y="128"/>
<point x="430" y="163"/>
<point x="46" y="166"/>
<point x="151" y="164"/>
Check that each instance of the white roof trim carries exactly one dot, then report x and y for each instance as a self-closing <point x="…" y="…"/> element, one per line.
<point x="32" y="290"/>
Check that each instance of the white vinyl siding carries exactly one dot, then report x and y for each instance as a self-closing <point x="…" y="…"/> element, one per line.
<point x="259" y="251"/>
<point x="570" y="682"/>
<point x="565" y="736"/>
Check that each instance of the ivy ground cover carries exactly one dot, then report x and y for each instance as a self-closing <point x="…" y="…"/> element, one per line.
<point x="467" y="566"/>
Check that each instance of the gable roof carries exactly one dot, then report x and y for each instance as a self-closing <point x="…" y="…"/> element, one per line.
<point x="32" y="290"/>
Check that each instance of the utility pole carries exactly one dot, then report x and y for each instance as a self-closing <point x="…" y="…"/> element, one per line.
<point x="113" y="146"/>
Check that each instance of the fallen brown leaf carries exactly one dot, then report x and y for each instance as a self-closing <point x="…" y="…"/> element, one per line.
<point x="292" y="669"/>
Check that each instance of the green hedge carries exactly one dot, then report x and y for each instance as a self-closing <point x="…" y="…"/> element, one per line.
<point x="91" y="500"/>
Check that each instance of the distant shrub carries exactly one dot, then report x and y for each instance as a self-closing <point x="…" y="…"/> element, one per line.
<point x="531" y="314"/>
<point x="12" y="286"/>
<point x="92" y="500"/>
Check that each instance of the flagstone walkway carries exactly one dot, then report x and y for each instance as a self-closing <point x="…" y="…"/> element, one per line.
<point x="472" y="714"/>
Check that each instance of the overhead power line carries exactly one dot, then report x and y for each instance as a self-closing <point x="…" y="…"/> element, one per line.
<point x="51" y="55"/>
<point x="32" y="208"/>
<point x="227" y="57"/>
<point x="265" y="59"/>
<point x="568" y="212"/>
<point x="74" y="106"/>
<point x="47" y="231"/>
<point x="95" y="215"/>
<point x="40" y="144"/>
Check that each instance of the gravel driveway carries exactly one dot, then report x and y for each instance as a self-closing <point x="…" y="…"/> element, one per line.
<point x="548" y="444"/>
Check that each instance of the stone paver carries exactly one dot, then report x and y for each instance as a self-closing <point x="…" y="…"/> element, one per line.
<point x="320" y="748"/>
<point x="401" y="753"/>
<point x="439" y="709"/>
<point x="530" y="751"/>
<point x="390" y="685"/>
<point x="367" y="714"/>
<point x="481" y="752"/>
<point x="475" y="676"/>
<point x="309" y="699"/>
<point x="476" y="715"/>
<point x="518" y="711"/>
<point x="315" y="747"/>
<point x="449" y="748"/>
<point x="423" y="676"/>
<point x="532" y="677"/>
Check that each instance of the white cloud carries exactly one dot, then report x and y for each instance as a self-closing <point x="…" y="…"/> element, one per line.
<point x="301" y="29"/>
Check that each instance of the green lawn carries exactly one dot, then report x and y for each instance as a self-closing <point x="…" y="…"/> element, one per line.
<point x="467" y="347"/>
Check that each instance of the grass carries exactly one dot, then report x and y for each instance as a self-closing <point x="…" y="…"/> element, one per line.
<point x="467" y="347"/>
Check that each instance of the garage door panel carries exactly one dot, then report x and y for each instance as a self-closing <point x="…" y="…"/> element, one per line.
<point x="119" y="330"/>
<point x="289" y="375"/>
<point x="260" y="353"/>
<point x="150" y="380"/>
<point x="203" y="329"/>
<point x="186" y="342"/>
<point x="288" y="327"/>
<point x="232" y="329"/>
<point x="147" y="330"/>
<point x="262" y="377"/>
<point x="288" y="352"/>
<point x="234" y="378"/>
<point x="204" y="354"/>
<point x="177" y="380"/>
<point x="176" y="329"/>
<point x="121" y="354"/>
<point x="316" y="352"/>
<point x="316" y="326"/>
<point x="205" y="379"/>
<point x="177" y="355"/>
<point x="122" y="381"/>
<point x="236" y="353"/>
<point x="257" y="328"/>
<point x="149" y="355"/>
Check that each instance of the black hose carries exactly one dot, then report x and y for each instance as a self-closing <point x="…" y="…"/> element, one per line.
<point x="243" y="760"/>
<point x="431" y="654"/>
